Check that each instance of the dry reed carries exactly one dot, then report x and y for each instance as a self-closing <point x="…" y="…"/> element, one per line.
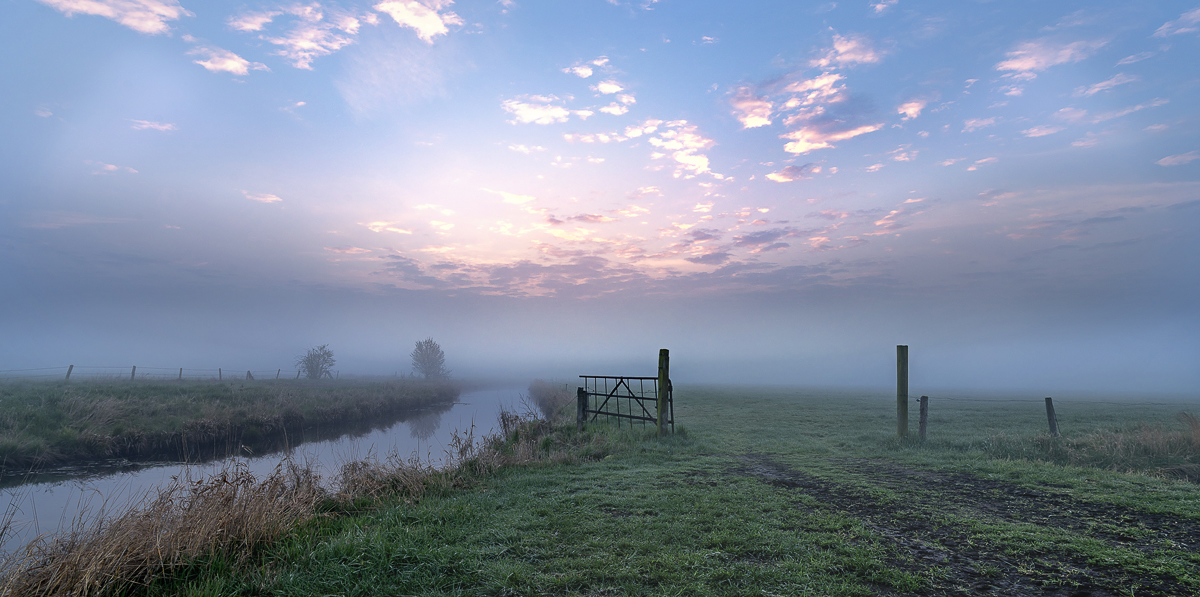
<point x="229" y="513"/>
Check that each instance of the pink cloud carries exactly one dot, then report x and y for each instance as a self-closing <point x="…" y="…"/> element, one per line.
<point x="427" y="18"/>
<point x="216" y="59"/>
<point x="911" y="109"/>
<point x="847" y="51"/>
<point x="815" y="137"/>
<point x="750" y="110"/>
<point x="1179" y="160"/>
<point x="1041" y="54"/>
<point x="143" y="16"/>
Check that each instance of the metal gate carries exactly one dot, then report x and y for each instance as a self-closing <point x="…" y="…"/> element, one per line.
<point x="624" y="398"/>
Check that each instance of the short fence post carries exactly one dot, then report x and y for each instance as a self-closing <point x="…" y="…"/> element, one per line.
<point x="297" y="375"/>
<point x="924" y="415"/>
<point x="1051" y="418"/>
<point x="133" y="373"/>
<point x="69" y="370"/>
<point x="248" y="375"/>
<point x="181" y="374"/>
<point x="902" y="390"/>
<point x="219" y="376"/>
<point x="581" y="398"/>
<point x="277" y="373"/>
<point x="664" y="380"/>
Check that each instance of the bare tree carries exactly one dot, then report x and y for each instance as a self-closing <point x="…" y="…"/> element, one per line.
<point x="429" y="360"/>
<point x="317" y="362"/>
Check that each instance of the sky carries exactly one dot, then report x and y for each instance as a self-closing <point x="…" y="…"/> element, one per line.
<point x="776" y="191"/>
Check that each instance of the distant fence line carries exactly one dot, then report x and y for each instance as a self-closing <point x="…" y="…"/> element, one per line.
<point x="133" y="372"/>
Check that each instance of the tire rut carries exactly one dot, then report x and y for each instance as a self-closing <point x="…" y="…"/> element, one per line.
<point x="959" y="562"/>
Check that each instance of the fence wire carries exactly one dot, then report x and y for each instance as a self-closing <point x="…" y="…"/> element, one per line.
<point x="132" y="373"/>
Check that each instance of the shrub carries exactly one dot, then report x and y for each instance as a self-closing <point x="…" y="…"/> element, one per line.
<point x="317" y="363"/>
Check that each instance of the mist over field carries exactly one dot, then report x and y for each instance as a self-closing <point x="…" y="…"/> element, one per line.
<point x="778" y="193"/>
<point x="772" y="338"/>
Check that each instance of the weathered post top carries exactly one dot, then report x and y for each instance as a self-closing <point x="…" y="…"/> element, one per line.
<point x="664" y="381"/>
<point x="902" y="390"/>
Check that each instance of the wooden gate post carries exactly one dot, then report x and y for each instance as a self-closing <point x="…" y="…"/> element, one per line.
<point x="664" y="381"/>
<point x="1051" y="418"/>
<point x="924" y="416"/>
<point x="902" y="390"/>
<point x="581" y="399"/>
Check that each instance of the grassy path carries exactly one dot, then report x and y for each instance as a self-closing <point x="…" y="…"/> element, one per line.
<point x="813" y="499"/>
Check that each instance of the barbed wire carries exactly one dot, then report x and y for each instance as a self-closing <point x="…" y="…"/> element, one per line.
<point x="1131" y="402"/>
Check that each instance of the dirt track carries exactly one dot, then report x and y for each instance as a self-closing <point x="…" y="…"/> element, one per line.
<point x="928" y="528"/>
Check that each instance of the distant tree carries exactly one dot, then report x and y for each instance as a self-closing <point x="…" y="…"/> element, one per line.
<point x="317" y="363"/>
<point x="429" y="360"/>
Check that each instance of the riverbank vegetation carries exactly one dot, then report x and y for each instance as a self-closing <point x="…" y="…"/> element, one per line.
<point x="45" y="423"/>
<point x="227" y="521"/>
<point x="762" y="491"/>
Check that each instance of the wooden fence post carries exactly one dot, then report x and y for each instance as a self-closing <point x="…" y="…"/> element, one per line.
<point x="249" y="376"/>
<point x="664" y="380"/>
<point x="219" y="376"/>
<point x="69" y="370"/>
<point x="277" y="373"/>
<point x="581" y="399"/>
<point x="924" y="415"/>
<point x="133" y="373"/>
<point x="181" y="374"/>
<point x="902" y="390"/>
<point x="297" y="375"/>
<point x="1051" y="418"/>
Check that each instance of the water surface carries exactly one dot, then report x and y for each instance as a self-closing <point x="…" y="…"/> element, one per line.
<point x="54" y="499"/>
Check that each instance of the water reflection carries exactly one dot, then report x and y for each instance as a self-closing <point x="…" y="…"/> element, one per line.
<point x="423" y="427"/>
<point x="54" y="499"/>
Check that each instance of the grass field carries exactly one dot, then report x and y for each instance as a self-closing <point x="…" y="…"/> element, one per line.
<point x="777" y="491"/>
<point x="63" y="422"/>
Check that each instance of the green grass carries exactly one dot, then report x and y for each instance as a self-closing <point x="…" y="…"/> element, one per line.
<point x="771" y="491"/>
<point x="57" y="422"/>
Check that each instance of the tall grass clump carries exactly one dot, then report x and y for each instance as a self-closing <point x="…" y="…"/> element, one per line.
<point x="229" y="514"/>
<point x="1147" y="449"/>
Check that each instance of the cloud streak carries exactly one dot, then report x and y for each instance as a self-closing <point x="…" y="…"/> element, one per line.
<point x="141" y="125"/>
<point x="1179" y="160"/>
<point x="215" y="59"/>
<point x="1188" y="22"/>
<point x="1041" y="54"/>
<point x="262" y="197"/>
<point x="144" y="16"/>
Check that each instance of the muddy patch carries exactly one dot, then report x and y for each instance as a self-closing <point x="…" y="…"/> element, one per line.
<point x="925" y="517"/>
